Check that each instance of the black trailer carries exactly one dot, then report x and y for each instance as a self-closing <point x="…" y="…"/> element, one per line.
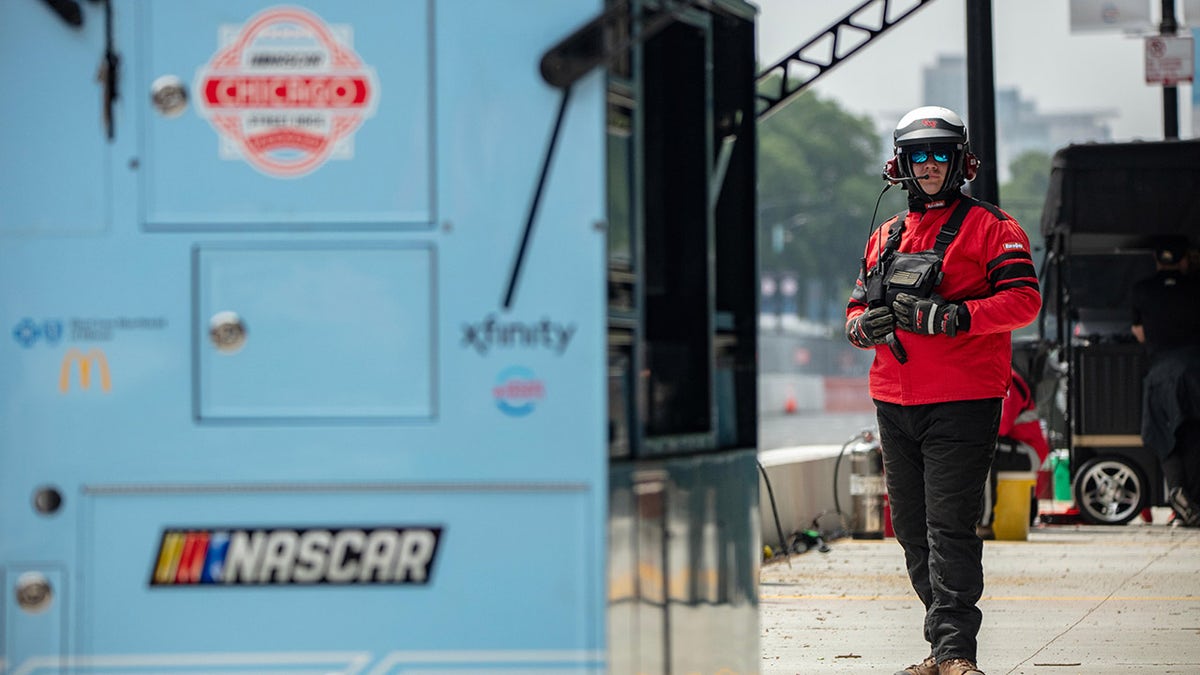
<point x="1106" y="207"/>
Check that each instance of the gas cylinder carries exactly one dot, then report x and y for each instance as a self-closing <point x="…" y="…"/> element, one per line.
<point x="867" y="492"/>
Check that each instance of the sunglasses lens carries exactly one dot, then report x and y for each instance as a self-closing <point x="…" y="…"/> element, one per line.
<point x="922" y="156"/>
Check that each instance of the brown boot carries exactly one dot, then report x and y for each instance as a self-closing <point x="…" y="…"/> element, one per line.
<point x="958" y="667"/>
<point x="926" y="667"/>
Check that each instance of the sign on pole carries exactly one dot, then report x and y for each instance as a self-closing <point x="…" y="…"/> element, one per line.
<point x="1101" y="16"/>
<point x="1168" y="59"/>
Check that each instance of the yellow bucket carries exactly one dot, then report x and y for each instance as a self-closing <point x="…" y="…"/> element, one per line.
<point x="1014" y="490"/>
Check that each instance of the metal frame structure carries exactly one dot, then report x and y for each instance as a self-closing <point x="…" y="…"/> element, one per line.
<point x="828" y="49"/>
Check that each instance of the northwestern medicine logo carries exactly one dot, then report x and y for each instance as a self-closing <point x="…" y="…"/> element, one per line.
<point x="286" y="556"/>
<point x="286" y="92"/>
<point x="27" y="332"/>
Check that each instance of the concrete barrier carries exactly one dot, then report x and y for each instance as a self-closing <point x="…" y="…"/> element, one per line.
<point x="801" y="480"/>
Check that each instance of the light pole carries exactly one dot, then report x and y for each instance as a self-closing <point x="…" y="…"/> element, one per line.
<point x="1170" y="92"/>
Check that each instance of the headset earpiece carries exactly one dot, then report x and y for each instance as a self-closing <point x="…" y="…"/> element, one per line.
<point x="970" y="167"/>
<point x="891" y="169"/>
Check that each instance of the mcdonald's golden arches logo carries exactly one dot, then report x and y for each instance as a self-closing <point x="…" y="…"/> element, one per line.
<point x="93" y="360"/>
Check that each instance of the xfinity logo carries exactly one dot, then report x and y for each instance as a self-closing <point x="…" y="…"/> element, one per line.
<point x="492" y="333"/>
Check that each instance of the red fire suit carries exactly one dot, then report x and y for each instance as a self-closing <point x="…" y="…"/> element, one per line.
<point x="938" y="412"/>
<point x="1021" y="446"/>
<point x="1019" y="419"/>
<point x="987" y="268"/>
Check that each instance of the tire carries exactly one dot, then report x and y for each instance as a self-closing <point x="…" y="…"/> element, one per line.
<point x="1109" y="490"/>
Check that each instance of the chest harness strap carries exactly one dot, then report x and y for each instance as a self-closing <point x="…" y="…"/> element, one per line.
<point x="916" y="273"/>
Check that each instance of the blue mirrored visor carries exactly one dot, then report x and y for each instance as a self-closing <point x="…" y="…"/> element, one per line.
<point x="940" y="155"/>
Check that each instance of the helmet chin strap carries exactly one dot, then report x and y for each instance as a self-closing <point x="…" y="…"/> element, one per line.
<point x="951" y="188"/>
<point x="947" y="190"/>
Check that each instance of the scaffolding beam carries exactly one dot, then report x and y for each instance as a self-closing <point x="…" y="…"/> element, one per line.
<point x="782" y="82"/>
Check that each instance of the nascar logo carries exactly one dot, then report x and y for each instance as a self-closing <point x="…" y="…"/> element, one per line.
<point x="285" y="556"/>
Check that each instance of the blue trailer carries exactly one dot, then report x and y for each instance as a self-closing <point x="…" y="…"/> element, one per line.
<point x="378" y="337"/>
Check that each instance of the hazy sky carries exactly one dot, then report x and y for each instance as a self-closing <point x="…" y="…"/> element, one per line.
<point x="1034" y="51"/>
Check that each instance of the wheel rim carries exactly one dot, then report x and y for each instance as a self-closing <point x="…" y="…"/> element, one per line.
<point x="1110" y="491"/>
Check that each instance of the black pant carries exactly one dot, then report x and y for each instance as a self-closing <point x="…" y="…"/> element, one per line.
<point x="1181" y="468"/>
<point x="936" y="459"/>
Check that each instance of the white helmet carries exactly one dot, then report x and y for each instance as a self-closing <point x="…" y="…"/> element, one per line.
<point x="928" y="128"/>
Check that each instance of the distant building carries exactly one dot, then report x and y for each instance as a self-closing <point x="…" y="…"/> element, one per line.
<point x="945" y="83"/>
<point x="1020" y="127"/>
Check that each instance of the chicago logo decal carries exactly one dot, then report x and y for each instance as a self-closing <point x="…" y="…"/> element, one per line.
<point x="286" y="92"/>
<point x="288" y="556"/>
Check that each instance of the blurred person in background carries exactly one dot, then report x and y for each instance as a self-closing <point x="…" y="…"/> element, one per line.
<point x="1166" y="320"/>
<point x="1021" y="446"/>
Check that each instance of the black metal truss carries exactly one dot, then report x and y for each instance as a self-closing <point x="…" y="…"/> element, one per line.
<point x="780" y="83"/>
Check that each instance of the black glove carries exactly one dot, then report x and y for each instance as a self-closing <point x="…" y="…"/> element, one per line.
<point x="927" y="317"/>
<point x="871" y="328"/>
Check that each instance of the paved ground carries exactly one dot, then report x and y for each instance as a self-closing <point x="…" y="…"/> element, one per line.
<point x="1077" y="600"/>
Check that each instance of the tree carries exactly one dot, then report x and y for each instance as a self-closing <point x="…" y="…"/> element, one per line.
<point x="1024" y="195"/>
<point x="819" y="169"/>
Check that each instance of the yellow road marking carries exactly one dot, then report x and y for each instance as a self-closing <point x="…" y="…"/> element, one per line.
<point x="1012" y="598"/>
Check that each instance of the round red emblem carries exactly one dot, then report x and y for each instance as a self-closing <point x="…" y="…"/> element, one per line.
<point x="286" y="92"/>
